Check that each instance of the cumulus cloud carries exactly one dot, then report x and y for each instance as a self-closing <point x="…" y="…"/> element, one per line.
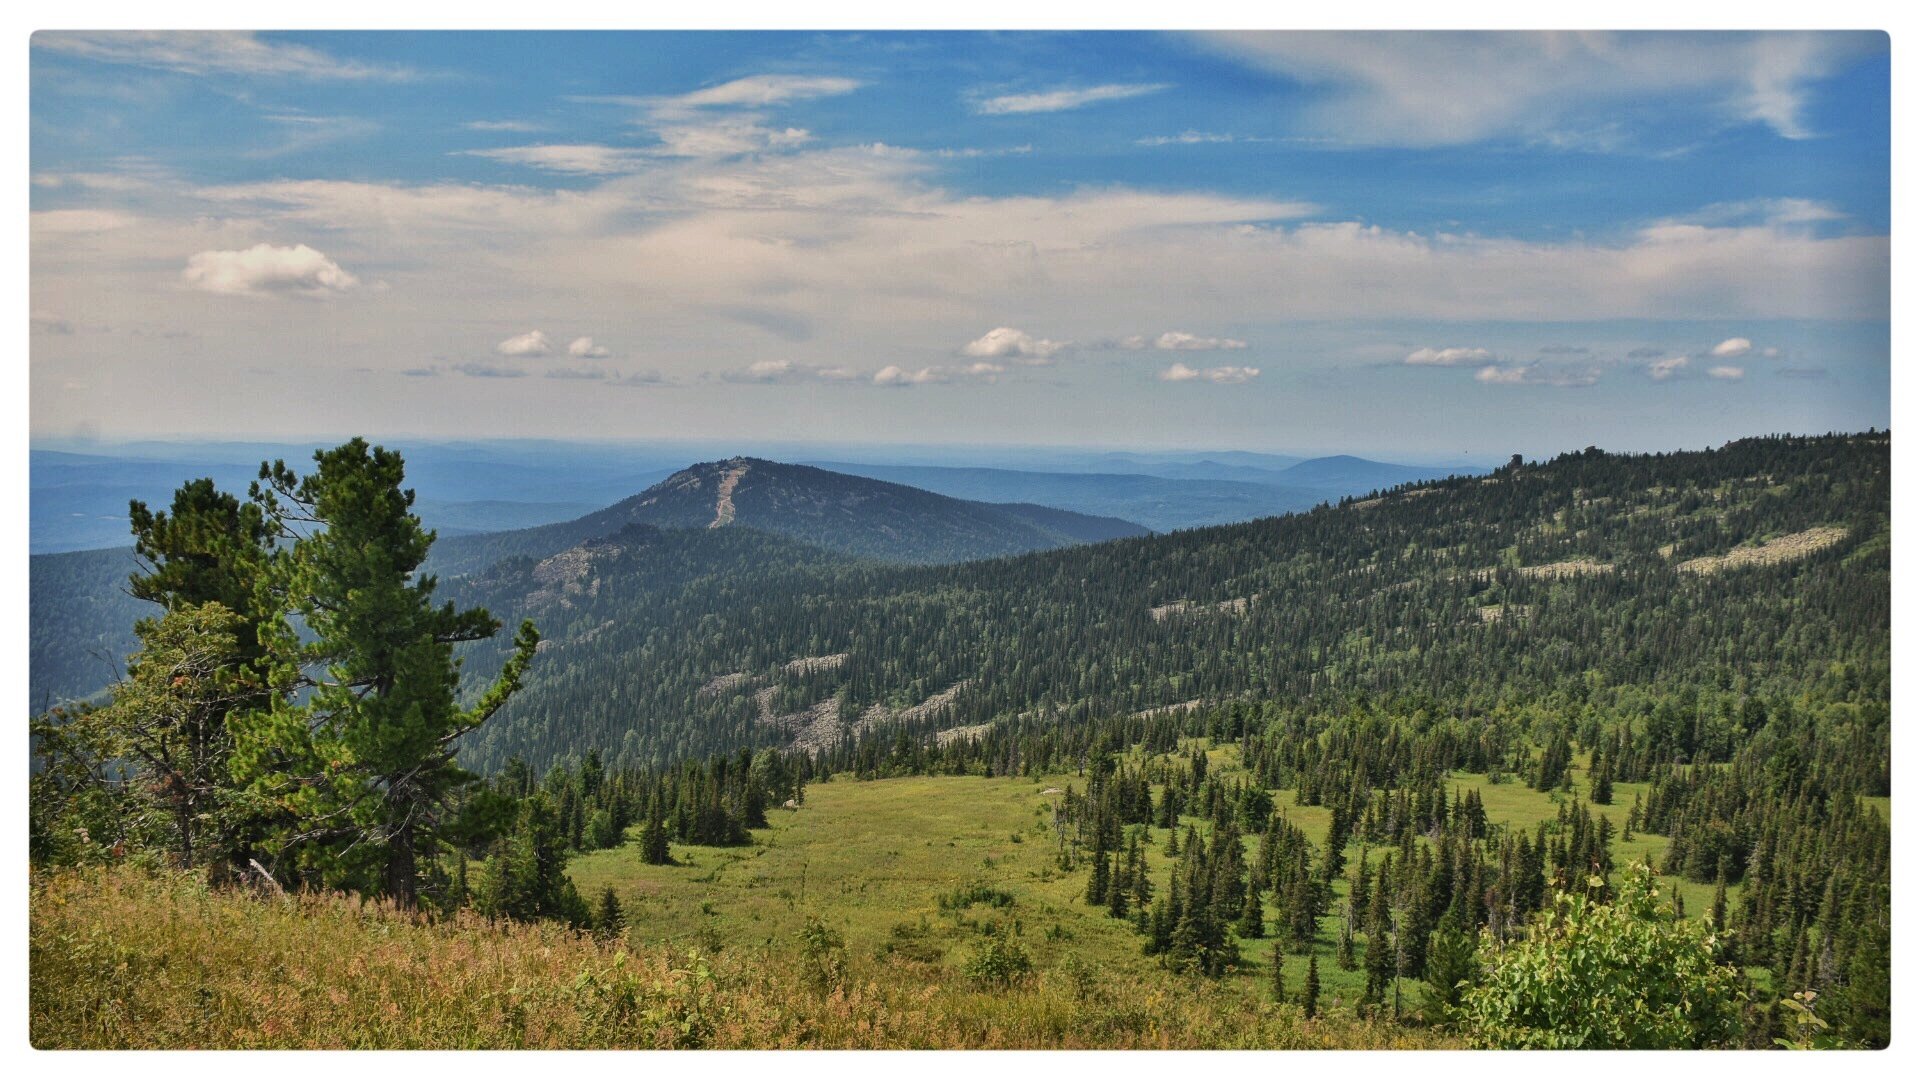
<point x="585" y="348"/>
<point x="1452" y="356"/>
<point x="1727" y="371"/>
<point x="1064" y="98"/>
<point x="210" y="52"/>
<point x="1007" y="343"/>
<point x="266" y="270"/>
<point x="1732" y="347"/>
<point x="1662" y="370"/>
<point x="1180" y="372"/>
<point x="895" y="375"/>
<point x="531" y="343"/>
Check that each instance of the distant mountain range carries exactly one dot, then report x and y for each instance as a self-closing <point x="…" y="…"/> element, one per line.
<point x="1214" y="490"/>
<point x="82" y="617"/>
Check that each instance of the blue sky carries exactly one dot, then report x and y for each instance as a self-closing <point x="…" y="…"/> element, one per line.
<point x="1422" y="245"/>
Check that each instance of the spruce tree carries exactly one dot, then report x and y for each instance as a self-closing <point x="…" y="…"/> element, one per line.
<point x="1310" y="991"/>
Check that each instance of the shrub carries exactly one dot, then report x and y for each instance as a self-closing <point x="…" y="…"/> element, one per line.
<point x="1595" y="976"/>
<point x="999" y="962"/>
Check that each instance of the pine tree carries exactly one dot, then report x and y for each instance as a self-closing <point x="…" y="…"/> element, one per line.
<point x="608" y="918"/>
<point x="366" y="761"/>
<point x="653" y="835"/>
<point x="1310" y="992"/>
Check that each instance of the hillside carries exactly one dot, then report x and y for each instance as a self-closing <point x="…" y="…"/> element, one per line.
<point x="1579" y="572"/>
<point x="851" y="515"/>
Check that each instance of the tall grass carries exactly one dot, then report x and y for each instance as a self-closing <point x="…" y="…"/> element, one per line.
<point x="122" y="957"/>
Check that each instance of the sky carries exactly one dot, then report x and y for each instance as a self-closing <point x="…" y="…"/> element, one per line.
<point x="1411" y="245"/>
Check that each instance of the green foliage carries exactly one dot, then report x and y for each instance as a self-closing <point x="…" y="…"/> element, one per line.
<point x="364" y="761"/>
<point x="999" y="962"/>
<point x="1620" y="975"/>
<point x="823" y="956"/>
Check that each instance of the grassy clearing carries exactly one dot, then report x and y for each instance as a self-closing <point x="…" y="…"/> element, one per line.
<point x="873" y="860"/>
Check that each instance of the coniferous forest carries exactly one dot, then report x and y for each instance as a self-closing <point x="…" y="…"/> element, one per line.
<point x="1443" y="753"/>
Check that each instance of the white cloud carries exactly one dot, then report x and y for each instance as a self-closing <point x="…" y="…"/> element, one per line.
<point x="531" y="343"/>
<point x="895" y="375"/>
<point x="1452" y="356"/>
<point x="1727" y="371"/>
<point x="787" y="371"/>
<point x="1187" y="138"/>
<point x="1428" y="89"/>
<point x="762" y="90"/>
<point x="1065" y="98"/>
<point x="210" y="52"/>
<point x="1535" y="375"/>
<point x="728" y="138"/>
<point x="1662" y="370"/>
<point x="266" y="270"/>
<point x="582" y="159"/>
<point x="1179" y="372"/>
<point x="1180" y="341"/>
<point x="585" y="348"/>
<point x="1005" y="342"/>
<point x="1731" y="348"/>
<point x="1232" y="374"/>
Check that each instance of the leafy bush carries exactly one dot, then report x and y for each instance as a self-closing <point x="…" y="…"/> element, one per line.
<point x="1595" y="976"/>
<point x="999" y="962"/>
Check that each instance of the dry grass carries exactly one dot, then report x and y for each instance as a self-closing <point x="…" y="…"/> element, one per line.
<point x="124" y="958"/>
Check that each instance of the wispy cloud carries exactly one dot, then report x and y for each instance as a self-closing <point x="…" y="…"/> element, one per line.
<point x="1179" y="372"/>
<point x="585" y="159"/>
<point x="1662" y="370"/>
<point x="1453" y="356"/>
<point x="1556" y="88"/>
<point x="521" y="126"/>
<point x="1535" y="375"/>
<point x="759" y="91"/>
<point x="211" y="52"/>
<point x="1064" y="98"/>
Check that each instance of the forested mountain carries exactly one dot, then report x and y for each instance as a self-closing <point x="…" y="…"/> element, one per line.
<point x="79" y="623"/>
<point x="848" y="514"/>
<point x="1593" y="581"/>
